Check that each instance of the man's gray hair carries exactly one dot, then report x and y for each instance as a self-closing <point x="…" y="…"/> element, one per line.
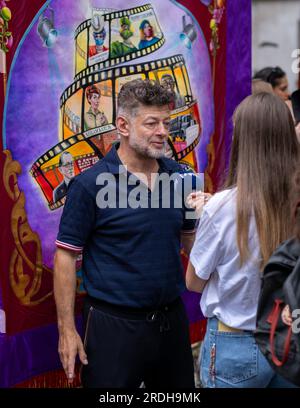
<point x="141" y="92"/>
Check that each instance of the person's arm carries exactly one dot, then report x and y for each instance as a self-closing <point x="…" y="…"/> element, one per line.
<point x="196" y="201"/>
<point x="193" y="282"/>
<point x="207" y="251"/>
<point x="76" y="224"/>
<point x="64" y="292"/>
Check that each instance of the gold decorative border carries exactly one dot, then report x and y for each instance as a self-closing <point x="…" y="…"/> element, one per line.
<point x="25" y="274"/>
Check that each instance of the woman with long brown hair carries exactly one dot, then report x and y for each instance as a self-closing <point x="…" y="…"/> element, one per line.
<point x="239" y="229"/>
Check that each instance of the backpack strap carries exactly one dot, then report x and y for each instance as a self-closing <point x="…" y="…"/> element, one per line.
<point x="273" y="319"/>
<point x="291" y="286"/>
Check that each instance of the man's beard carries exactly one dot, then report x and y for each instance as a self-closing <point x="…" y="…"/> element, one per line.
<point x="145" y="150"/>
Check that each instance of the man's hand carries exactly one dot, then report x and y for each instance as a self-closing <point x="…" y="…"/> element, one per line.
<point x="69" y="346"/>
<point x="70" y="343"/>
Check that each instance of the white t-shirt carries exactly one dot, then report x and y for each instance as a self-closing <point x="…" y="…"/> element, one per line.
<point x="231" y="294"/>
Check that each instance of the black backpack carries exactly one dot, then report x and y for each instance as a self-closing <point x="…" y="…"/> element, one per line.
<point x="279" y="342"/>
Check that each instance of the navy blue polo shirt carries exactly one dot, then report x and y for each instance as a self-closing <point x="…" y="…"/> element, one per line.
<point x="131" y="256"/>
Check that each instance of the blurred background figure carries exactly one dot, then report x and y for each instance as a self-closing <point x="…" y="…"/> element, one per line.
<point x="277" y="78"/>
<point x="258" y="85"/>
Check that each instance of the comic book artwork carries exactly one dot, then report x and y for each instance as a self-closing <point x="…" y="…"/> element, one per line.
<point x="110" y="49"/>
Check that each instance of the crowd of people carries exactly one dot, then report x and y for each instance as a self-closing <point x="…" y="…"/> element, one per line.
<point x="136" y="327"/>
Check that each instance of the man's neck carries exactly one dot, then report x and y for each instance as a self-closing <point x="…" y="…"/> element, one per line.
<point x="136" y="163"/>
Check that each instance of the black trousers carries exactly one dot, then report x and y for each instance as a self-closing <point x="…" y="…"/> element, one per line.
<point x="126" y="346"/>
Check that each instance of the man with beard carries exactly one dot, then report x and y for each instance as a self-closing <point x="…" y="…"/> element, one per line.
<point x="136" y="327"/>
<point x="119" y="49"/>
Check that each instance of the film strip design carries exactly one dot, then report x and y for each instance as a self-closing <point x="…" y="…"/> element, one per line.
<point x="72" y="121"/>
<point x="128" y="70"/>
<point x="104" y="65"/>
<point x="56" y="150"/>
<point x="107" y="81"/>
<point x="54" y="169"/>
<point x="82" y="146"/>
<point x="181" y="155"/>
<point x="124" y="33"/>
<point x="109" y="15"/>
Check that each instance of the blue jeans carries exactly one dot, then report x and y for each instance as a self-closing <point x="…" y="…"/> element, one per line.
<point x="233" y="360"/>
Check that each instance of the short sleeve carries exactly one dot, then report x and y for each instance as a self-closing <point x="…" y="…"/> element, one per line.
<point x="206" y="253"/>
<point x="78" y="218"/>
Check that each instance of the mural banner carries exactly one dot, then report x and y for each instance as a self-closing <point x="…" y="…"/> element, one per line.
<point x="62" y="64"/>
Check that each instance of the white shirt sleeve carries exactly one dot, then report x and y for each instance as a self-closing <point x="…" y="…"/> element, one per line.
<point x="207" y="251"/>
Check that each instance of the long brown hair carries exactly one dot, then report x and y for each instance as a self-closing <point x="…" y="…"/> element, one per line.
<point x="264" y="156"/>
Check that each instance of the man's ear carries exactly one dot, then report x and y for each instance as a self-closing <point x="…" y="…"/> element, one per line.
<point x="122" y="124"/>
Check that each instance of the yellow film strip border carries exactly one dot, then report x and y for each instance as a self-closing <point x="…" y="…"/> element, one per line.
<point x="57" y="150"/>
<point x="67" y="143"/>
<point x="179" y="156"/>
<point x="129" y="12"/>
<point x="116" y="61"/>
<point x="115" y="14"/>
<point x="119" y="72"/>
